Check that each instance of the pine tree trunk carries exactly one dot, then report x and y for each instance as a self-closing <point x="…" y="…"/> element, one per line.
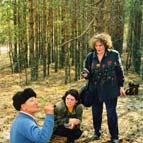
<point x="36" y="15"/>
<point x="44" y="48"/>
<point x="31" y="39"/>
<point x="15" y="51"/>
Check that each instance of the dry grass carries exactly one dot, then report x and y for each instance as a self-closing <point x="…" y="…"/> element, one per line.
<point x="130" y="109"/>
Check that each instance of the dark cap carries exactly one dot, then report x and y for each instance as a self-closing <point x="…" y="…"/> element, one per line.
<point x="21" y="96"/>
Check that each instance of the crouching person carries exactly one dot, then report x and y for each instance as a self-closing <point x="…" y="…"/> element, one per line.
<point x="24" y="128"/>
<point x="68" y="116"/>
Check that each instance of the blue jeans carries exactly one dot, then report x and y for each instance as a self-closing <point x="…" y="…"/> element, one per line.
<point x="97" y="109"/>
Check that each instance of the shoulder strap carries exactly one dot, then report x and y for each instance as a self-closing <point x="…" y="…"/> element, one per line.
<point x="90" y="63"/>
<point x="91" y="58"/>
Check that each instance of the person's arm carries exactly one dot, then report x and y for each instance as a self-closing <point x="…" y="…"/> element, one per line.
<point x="77" y="120"/>
<point x="120" y="75"/>
<point x="86" y="73"/>
<point x="31" y="131"/>
<point x="45" y="133"/>
<point x="60" y="114"/>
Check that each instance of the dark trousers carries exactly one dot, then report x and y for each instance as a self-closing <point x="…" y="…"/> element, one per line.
<point x="71" y="134"/>
<point x="112" y="118"/>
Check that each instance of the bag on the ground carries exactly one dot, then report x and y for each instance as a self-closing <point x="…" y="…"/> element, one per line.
<point x="86" y="95"/>
<point x="133" y="89"/>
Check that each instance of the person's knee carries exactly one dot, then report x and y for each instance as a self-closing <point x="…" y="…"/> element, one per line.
<point x="112" y="115"/>
<point x="77" y="133"/>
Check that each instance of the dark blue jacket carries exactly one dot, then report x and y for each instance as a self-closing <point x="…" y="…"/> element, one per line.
<point x="106" y="77"/>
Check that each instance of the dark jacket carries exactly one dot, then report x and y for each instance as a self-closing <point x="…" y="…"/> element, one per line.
<point x="106" y="77"/>
<point x="62" y="114"/>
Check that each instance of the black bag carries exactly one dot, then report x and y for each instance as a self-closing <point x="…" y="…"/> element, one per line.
<point x="86" y="95"/>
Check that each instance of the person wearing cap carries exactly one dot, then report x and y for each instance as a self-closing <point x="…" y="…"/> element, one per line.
<point x="24" y="128"/>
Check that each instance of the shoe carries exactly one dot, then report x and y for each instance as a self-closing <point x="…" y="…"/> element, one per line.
<point x="95" y="137"/>
<point x="114" y="141"/>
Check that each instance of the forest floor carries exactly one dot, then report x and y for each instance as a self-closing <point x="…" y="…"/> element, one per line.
<point x="130" y="109"/>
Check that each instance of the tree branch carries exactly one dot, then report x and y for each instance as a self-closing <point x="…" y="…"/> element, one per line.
<point x="66" y="42"/>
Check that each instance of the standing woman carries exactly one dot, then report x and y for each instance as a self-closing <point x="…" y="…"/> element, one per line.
<point x="106" y="77"/>
<point x="68" y="116"/>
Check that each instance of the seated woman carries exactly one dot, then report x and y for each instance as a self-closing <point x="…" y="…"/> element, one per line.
<point x="68" y="116"/>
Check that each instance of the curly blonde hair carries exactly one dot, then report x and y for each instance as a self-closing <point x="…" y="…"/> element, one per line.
<point x="104" y="38"/>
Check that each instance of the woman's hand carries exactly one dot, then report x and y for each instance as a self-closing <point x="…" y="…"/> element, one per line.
<point x="74" y="121"/>
<point x="122" y="92"/>
<point x="71" y="126"/>
<point x="85" y="73"/>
